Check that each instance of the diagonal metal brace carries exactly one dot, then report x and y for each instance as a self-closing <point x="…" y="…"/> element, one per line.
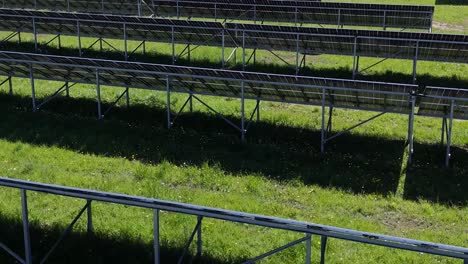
<point x="63" y="88"/>
<point x="66" y="232"/>
<point x="217" y="113"/>
<point x="115" y="102"/>
<point x="12" y="253"/>
<point x="192" y="236"/>
<point x="353" y="127"/>
<point x="276" y="250"/>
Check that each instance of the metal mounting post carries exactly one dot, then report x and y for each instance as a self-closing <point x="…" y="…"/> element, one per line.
<point x="156" y="237"/>
<point x="173" y="46"/>
<point x="323" y="247"/>
<point x="410" y="130"/>
<point x="26" y="235"/>
<point x="449" y="134"/>
<point x="199" y="237"/>
<point x="222" y="49"/>
<point x="125" y="41"/>
<point x="34" y="33"/>
<point x="308" y="248"/>
<point x="89" y="214"/>
<point x="78" y="34"/>
<point x="168" y="101"/>
<point x="33" y="89"/>
<point x="322" y="141"/>
<point x="98" y="93"/>
<point x="242" y="112"/>
<point x="415" y="61"/>
<point x="355" y="59"/>
<point x="297" y="54"/>
<point x="243" y="50"/>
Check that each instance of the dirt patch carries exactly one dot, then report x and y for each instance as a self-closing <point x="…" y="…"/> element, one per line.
<point x="447" y="26"/>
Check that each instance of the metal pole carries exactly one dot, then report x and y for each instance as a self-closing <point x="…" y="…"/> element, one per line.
<point x="410" y="130"/>
<point x="222" y="49"/>
<point x="297" y="54"/>
<point x="354" y="57"/>
<point x="10" y="85"/>
<point x="127" y="96"/>
<point x="243" y="50"/>
<point x="98" y="91"/>
<point x="168" y="101"/>
<point x="384" y="26"/>
<point x="323" y="247"/>
<point x="156" y="237"/>
<point x="308" y="248"/>
<point x="188" y="53"/>
<point x="242" y="113"/>
<point x="125" y="41"/>
<point x="322" y="141"/>
<point x="258" y="110"/>
<point x="173" y="46"/>
<point x="26" y="235"/>
<point x="33" y="90"/>
<point x="79" y="37"/>
<point x="89" y="213"/>
<point x="449" y="134"/>
<point x="191" y="103"/>
<point x="34" y="33"/>
<point x="199" y="238"/>
<point x="67" y="89"/>
<point x="139" y="7"/>
<point x="444" y="126"/>
<point x="59" y="41"/>
<point x="415" y="61"/>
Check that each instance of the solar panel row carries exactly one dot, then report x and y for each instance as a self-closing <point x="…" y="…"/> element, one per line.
<point x="308" y="12"/>
<point x="404" y="45"/>
<point x="341" y="93"/>
<point x="269" y="87"/>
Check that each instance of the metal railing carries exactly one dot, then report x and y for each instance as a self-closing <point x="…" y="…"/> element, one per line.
<point x="201" y="212"/>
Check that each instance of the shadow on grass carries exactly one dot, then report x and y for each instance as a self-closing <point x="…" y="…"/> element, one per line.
<point x="335" y="72"/>
<point x="83" y="248"/>
<point x="427" y="177"/>
<point x="451" y="2"/>
<point x="358" y="164"/>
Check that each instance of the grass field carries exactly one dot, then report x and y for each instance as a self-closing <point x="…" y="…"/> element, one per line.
<point x="362" y="182"/>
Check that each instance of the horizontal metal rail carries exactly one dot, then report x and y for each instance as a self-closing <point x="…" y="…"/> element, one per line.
<point x="235" y="216"/>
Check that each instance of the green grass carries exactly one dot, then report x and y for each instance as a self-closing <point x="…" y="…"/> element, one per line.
<point x="362" y="182"/>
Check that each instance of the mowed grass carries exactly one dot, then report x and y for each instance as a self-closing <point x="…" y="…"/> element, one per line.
<point x="362" y="182"/>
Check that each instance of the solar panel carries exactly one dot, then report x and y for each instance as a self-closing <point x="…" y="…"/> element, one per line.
<point x="269" y="87"/>
<point x="436" y="102"/>
<point x="309" y="12"/>
<point x="402" y="45"/>
<point x="110" y="26"/>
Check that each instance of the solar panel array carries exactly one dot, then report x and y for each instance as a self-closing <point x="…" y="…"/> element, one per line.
<point x="404" y="45"/>
<point x="267" y="87"/>
<point x="309" y="12"/>
<point x="436" y="102"/>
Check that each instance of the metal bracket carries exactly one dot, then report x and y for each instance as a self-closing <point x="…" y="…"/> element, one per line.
<point x="197" y="230"/>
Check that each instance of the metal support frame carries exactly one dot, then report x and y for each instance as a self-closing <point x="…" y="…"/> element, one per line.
<point x="202" y="212"/>
<point x="326" y="129"/>
<point x="411" y="129"/>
